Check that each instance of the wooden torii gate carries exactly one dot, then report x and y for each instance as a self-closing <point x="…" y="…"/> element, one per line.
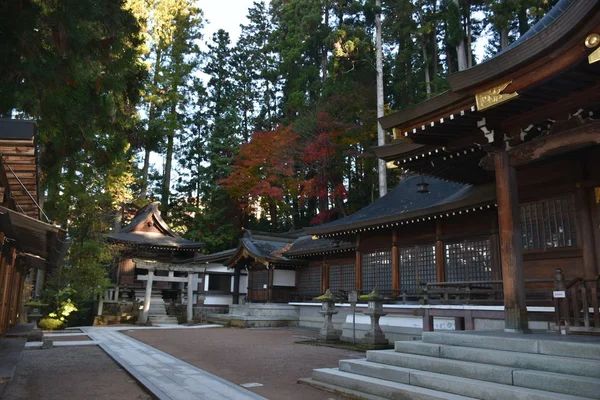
<point x="191" y="278"/>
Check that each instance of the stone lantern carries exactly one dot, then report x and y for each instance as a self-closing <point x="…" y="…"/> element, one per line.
<point x="328" y="310"/>
<point x="375" y="337"/>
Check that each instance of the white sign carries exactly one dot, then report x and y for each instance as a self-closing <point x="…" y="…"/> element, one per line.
<point x="559" y="294"/>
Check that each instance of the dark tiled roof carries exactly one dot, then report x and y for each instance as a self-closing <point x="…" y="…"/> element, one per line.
<point x="309" y="245"/>
<point x="264" y="247"/>
<point x="405" y="202"/>
<point x="165" y="238"/>
<point x="542" y="24"/>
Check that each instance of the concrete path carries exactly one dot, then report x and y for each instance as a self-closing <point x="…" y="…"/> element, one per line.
<point x="165" y="376"/>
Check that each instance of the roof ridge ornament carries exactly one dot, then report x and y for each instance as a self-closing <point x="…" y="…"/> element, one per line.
<point x="492" y="97"/>
<point x="592" y="41"/>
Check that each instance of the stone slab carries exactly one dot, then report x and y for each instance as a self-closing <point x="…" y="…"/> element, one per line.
<point x="380" y="387"/>
<point x="488" y="373"/>
<point x="550" y="381"/>
<point x="375" y="370"/>
<point x="570" y="349"/>
<point x="353" y="394"/>
<point x="418" y="347"/>
<point x="564" y="365"/>
<point x="482" y="390"/>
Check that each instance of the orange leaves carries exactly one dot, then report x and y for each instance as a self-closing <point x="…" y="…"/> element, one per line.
<point x="264" y="166"/>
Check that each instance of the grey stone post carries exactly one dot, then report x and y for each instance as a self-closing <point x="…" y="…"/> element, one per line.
<point x="190" y="298"/>
<point x="375" y="337"/>
<point x="328" y="310"/>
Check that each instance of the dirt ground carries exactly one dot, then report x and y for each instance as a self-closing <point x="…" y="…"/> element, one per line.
<point x="267" y="356"/>
<point x="71" y="373"/>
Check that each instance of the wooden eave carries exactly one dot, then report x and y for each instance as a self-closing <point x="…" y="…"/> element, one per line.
<point x="18" y="168"/>
<point x="540" y="59"/>
<point x="542" y="48"/>
<point x="242" y="252"/>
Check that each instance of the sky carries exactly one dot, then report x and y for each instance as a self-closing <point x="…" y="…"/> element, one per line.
<point x="224" y="14"/>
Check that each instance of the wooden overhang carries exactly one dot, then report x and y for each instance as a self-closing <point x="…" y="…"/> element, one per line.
<point x="18" y="166"/>
<point x="541" y="85"/>
<point x="39" y="244"/>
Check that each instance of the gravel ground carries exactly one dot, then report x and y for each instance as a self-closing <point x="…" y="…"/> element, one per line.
<point x="267" y="356"/>
<point x="69" y="338"/>
<point x="65" y="373"/>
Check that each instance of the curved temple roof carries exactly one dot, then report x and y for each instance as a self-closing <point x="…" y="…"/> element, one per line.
<point x="148" y="228"/>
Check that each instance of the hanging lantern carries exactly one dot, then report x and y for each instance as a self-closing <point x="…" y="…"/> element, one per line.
<point x="422" y="187"/>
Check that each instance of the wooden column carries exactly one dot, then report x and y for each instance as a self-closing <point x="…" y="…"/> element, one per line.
<point x="148" y="294"/>
<point x="511" y="248"/>
<point x="324" y="276"/>
<point x="587" y="233"/>
<point x="250" y="279"/>
<point x="395" y="264"/>
<point x="358" y="266"/>
<point x="270" y="270"/>
<point x="236" y="285"/>
<point x="440" y="266"/>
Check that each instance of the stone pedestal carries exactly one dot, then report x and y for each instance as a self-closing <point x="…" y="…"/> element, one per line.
<point x="328" y="310"/>
<point x="375" y="337"/>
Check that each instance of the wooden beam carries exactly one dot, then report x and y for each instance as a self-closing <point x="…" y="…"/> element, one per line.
<point x="563" y="106"/>
<point x="586" y="135"/>
<point x="511" y="246"/>
<point x="358" y="266"/>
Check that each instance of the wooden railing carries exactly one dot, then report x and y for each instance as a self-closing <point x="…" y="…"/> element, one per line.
<point x="576" y="304"/>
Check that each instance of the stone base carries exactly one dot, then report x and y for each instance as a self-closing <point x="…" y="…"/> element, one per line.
<point x="333" y="335"/>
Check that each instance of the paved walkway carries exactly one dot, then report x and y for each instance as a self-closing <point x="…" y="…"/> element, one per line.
<point x="165" y="376"/>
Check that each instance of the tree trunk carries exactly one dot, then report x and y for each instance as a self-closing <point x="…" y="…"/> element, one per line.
<point x="324" y="48"/>
<point x="166" y="189"/>
<point x="461" y="53"/>
<point x="380" y="101"/>
<point x="503" y="38"/>
<point x="469" y="37"/>
<point x="273" y="213"/>
<point x="145" y="168"/>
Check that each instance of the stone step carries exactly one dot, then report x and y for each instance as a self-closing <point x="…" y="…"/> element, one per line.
<point x="561" y="383"/>
<point x="587" y="347"/>
<point x="379" y="387"/>
<point x="544" y="381"/>
<point x="163" y="320"/>
<point x="539" y="362"/>
<point x="484" y="372"/>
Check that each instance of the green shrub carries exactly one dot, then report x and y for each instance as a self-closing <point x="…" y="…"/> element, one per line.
<point x="50" y="324"/>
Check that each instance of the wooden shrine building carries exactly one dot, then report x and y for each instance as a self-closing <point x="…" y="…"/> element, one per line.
<point x="28" y="247"/>
<point x="147" y="237"/>
<point x="525" y="123"/>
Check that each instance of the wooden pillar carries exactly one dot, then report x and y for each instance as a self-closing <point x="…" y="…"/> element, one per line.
<point x="440" y="266"/>
<point x="511" y="248"/>
<point x="148" y="294"/>
<point x="270" y="271"/>
<point x="250" y="281"/>
<point x="358" y="266"/>
<point x="236" y="285"/>
<point x="395" y="264"/>
<point x="324" y="276"/>
<point x="587" y="233"/>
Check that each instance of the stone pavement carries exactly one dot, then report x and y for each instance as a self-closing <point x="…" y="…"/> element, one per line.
<point x="165" y="376"/>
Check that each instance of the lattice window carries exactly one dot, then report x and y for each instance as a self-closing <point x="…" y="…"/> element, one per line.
<point x="469" y="260"/>
<point x="417" y="266"/>
<point x="259" y="279"/>
<point x="309" y="281"/>
<point x="342" y="278"/>
<point x="377" y="270"/>
<point x="549" y="223"/>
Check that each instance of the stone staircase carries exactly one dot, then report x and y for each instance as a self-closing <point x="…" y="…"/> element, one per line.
<point x="157" y="313"/>
<point x="469" y="365"/>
